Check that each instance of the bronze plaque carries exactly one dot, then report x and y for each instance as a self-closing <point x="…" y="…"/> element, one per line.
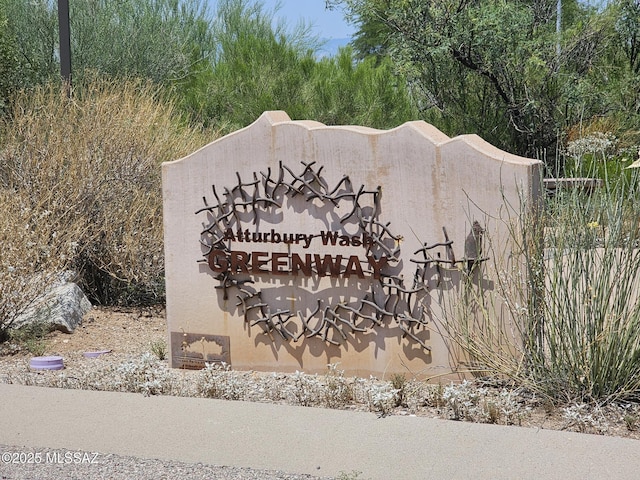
<point x="194" y="350"/>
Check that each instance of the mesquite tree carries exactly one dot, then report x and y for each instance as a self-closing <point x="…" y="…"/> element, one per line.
<point x="500" y="68"/>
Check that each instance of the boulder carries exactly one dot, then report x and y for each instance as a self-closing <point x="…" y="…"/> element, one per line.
<point x="62" y="307"/>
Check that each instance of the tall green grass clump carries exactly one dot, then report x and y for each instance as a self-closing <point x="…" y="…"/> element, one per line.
<point x="563" y="316"/>
<point x="587" y="295"/>
<point x="80" y="185"/>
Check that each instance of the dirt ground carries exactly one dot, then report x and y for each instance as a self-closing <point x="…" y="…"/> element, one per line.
<point x="121" y="330"/>
<point x="130" y="332"/>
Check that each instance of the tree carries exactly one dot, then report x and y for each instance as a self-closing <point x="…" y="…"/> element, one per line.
<point x="255" y="67"/>
<point x="224" y="69"/>
<point x="8" y="60"/>
<point x="628" y="26"/>
<point x="491" y="66"/>
<point x="260" y="67"/>
<point x="159" y="40"/>
<point x="34" y="28"/>
<point x="342" y="91"/>
<point x="372" y="37"/>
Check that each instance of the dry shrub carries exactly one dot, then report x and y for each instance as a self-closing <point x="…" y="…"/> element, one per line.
<point x="84" y="173"/>
<point x="32" y="253"/>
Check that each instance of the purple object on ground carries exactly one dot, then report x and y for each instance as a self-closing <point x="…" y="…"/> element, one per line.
<point x="96" y="354"/>
<point x="47" y="363"/>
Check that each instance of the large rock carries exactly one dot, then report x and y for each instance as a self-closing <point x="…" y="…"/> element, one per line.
<point x="62" y="307"/>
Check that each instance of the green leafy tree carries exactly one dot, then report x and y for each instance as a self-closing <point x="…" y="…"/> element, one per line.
<point x="34" y="27"/>
<point x="342" y="91"/>
<point x="372" y="36"/>
<point x="222" y="68"/>
<point x="493" y="67"/>
<point x="260" y="67"/>
<point x="628" y="27"/>
<point x="8" y="60"/>
<point x="256" y="67"/>
<point x="623" y="83"/>
<point x="160" y="40"/>
<point x="606" y="96"/>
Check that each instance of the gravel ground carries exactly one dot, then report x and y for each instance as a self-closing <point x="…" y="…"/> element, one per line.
<point x="132" y="337"/>
<point x="20" y="463"/>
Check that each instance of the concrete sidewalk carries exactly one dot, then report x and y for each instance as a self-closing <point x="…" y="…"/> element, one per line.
<point x="303" y="440"/>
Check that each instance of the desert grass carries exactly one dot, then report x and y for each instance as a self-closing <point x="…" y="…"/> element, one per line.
<point x="80" y="186"/>
<point x="564" y="317"/>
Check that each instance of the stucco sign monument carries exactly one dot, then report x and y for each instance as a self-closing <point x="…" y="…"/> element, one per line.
<point x="291" y="245"/>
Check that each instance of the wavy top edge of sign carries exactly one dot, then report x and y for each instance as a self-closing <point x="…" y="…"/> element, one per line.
<point x="275" y="118"/>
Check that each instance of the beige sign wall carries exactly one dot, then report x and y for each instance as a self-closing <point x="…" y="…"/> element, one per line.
<point x="291" y="245"/>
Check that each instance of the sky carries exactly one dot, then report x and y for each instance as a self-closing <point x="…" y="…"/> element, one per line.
<point x="327" y="24"/>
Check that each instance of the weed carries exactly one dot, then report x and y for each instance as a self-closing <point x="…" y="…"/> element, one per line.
<point x="32" y="337"/>
<point x="381" y="397"/>
<point x="218" y="380"/>
<point x="585" y="418"/>
<point x="337" y="391"/>
<point x="631" y="422"/>
<point x="159" y="349"/>
<point x="36" y="347"/>
<point x="630" y="414"/>
<point x="492" y="412"/>
<point x="549" y="406"/>
<point x="434" y="396"/>
<point x="399" y="383"/>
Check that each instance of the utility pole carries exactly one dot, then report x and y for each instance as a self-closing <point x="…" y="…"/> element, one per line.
<point x="65" y="43"/>
<point x="558" y="26"/>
